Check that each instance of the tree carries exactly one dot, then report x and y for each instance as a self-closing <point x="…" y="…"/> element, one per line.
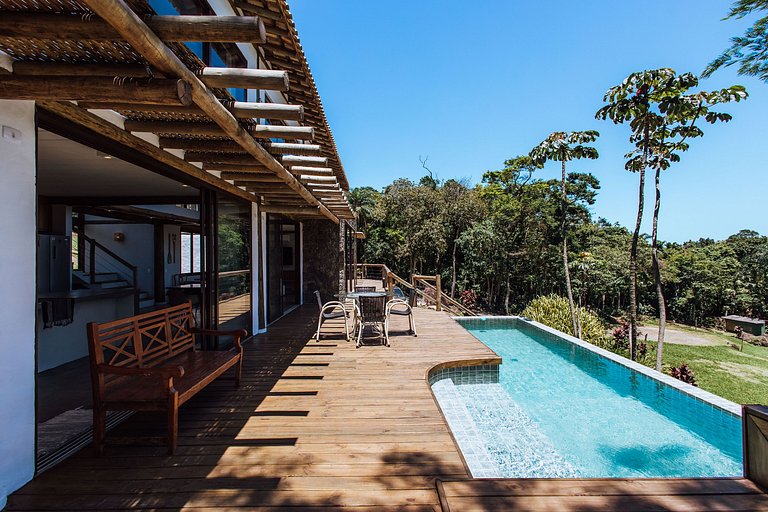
<point x="679" y="112"/>
<point x="363" y="202"/>
<point x="462" y="208"/>
<point x="662" y="117"/>
<point x="563" y="147"/>
<point x="750" y="51"/>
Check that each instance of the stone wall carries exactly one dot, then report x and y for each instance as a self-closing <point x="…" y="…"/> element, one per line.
<point x="322" y="260"/>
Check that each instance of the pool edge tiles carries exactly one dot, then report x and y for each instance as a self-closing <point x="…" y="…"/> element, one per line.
<point x="688" y="389"/>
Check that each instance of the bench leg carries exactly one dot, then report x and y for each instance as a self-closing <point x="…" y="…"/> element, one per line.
<point x="99" y="428"/>
<point x="239" y="371"/>
<point x="173" y="422"/>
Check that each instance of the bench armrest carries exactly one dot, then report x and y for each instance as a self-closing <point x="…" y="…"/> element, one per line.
<point x="238" y="334"/>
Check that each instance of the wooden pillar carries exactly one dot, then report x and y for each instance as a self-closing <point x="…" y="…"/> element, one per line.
<point x="438" y="294"/>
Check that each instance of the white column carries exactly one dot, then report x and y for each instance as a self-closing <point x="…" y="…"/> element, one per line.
<point x="17" y="294"/>
<point x="255" y="256"/>
<point x="301" y="263"/>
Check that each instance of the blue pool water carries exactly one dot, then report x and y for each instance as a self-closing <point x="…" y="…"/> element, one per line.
<point x="561" y="410"/>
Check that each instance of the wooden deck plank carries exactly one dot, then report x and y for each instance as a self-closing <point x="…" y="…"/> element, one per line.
<point x="324" y="426"/>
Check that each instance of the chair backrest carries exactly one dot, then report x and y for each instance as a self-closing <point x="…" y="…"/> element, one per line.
<point x="319" y="300"/>
<point x="372" y="307"/>
<point x="365" y="288"/>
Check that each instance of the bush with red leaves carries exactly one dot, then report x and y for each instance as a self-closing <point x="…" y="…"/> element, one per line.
<point x="683" y="373"/>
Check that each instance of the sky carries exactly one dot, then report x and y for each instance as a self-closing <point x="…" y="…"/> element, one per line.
<point x="470" y="84"/>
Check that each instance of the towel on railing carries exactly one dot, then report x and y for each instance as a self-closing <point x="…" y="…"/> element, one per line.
<point x="57" y="312"/>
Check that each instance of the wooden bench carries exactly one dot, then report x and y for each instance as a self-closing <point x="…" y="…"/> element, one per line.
<point x="149" y="362"/>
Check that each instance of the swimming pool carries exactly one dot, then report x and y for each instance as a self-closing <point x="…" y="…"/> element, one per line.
<point x="559" y="407"/>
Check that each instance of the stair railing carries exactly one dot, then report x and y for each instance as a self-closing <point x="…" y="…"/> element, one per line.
<point x="101" y="258"/>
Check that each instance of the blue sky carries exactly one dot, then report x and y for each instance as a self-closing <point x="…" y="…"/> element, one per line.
<point x="470" y="84"/>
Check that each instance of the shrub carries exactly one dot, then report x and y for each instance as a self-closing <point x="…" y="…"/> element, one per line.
<point x="553" y="311"/>
<point x="683" y="373"/>
<point x="469" y="299"/>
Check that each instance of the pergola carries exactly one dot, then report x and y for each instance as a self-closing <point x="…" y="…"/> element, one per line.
<point x="76" y="56"/>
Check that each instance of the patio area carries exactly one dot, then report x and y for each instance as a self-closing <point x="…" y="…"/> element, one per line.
<point x="324" y="426"/>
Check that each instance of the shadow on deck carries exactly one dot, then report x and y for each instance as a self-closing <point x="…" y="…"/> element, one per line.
<point x="322" y="425"/>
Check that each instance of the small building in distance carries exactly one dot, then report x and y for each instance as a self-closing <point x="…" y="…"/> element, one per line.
<point x="753" y="326"/>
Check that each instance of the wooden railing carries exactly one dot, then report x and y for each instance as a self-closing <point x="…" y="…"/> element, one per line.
<point x="428" y="288"/>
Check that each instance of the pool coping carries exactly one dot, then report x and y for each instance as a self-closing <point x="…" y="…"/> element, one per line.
<point x="693" y="391"/>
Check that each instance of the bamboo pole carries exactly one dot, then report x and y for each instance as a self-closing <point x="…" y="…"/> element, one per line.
<point x="118" y="14"/>
<point x="214" y="130"/>
<point x="307" y="161"/>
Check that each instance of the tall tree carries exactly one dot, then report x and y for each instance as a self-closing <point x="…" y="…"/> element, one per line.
<point x="629" y="101"/>
<point x="662" y="116"/>
<point x="679" y="111"/>
<point x="749" y="51"/>
<point x="563" y="147"/>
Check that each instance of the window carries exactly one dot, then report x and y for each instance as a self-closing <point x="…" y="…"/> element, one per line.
<point x="190" y="252"/>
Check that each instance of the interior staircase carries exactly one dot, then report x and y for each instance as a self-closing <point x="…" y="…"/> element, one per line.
<point x="100" y="268"/>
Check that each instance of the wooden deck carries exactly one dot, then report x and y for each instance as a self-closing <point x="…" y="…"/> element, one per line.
<point x="325" y="426"/>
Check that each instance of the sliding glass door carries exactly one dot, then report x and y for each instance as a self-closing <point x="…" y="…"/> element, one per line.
<point x="283" y="272"/>
<point x="233" y="264"/>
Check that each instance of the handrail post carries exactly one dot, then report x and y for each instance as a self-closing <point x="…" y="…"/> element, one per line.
<point x="92" y="261"/>
<point x="438" y="294"/>
<point x="136" y="301"/>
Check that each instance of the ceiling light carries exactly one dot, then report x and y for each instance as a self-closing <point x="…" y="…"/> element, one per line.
<point x="104" y="155"/>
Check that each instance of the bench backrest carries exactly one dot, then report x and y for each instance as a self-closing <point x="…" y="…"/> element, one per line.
<point x="144" y="340"/>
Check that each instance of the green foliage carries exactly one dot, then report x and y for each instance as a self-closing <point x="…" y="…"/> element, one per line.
<point x="750" y="51"/>
<point x="553" y="311"/>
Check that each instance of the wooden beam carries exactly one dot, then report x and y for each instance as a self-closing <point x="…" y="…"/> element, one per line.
<point x="158" y="92"/>
<point x="243" y="109"/>
<point x="264" y="79"/>
<point x="240" y="110"/>
<point x="312" y="173"/>
<point x="275" y="186"/>
<point x="290" y="210"/>
<point x="214" y="130"/>
<point x="221" y="158"/>
<point x="211" y="29"/>
<point x="222" y="146"/>
<point x="300" y="169"/>
<point x="105" y="128"/>
<point x="318" y="179"/>
<point x="287" y="148"/>
<point x="236" y="168"/>
<point x="250" y="177"/>
<point x="307" y="161"/>
<point x="118" y="14"/>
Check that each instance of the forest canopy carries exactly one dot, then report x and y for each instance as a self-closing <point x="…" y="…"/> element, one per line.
<point x="500" y="241"/>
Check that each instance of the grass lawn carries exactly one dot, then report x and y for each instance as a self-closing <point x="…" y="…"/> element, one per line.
<point x="741" y="377"/>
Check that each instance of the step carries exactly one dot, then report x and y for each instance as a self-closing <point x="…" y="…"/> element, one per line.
<point x="118" y="283"/>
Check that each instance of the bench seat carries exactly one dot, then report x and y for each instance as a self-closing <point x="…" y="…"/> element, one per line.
<point x="200" y="368"/>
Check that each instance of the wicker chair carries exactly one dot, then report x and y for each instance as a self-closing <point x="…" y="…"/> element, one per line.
<point x="330" y="311"/>
<point x="365" y="288"/>
<point x="372" y="312"/>
<point x="400" y="307"/>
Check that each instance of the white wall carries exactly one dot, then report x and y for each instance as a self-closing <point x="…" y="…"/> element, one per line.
<point x="17" y="296"/>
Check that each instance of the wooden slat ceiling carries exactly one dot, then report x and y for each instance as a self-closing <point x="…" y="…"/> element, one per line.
<point x="186" y="126"/>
